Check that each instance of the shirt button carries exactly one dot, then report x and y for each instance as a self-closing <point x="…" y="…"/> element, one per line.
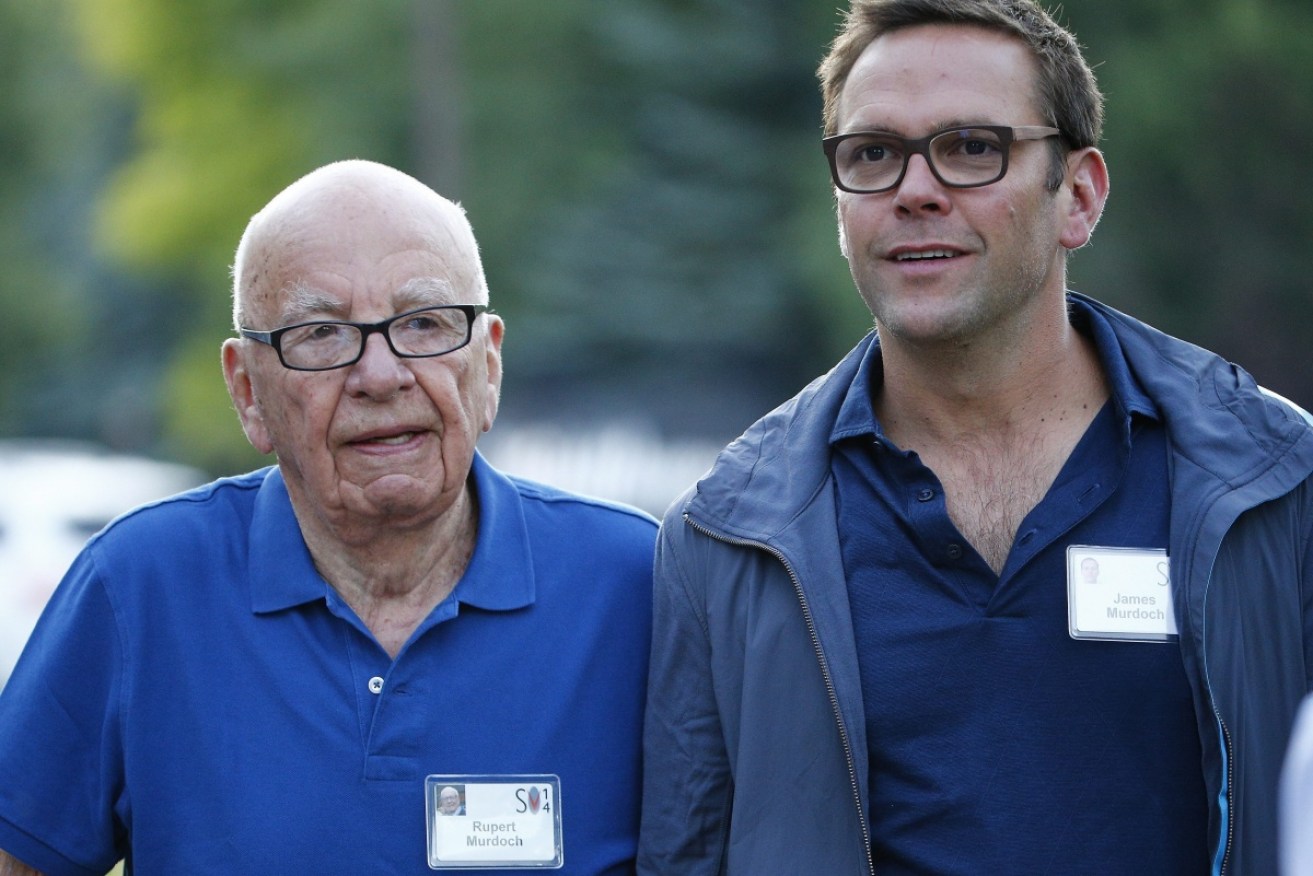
<point x="955" y="551"/>
<point x="376" y="684"/>
<point x="925" y="495"/>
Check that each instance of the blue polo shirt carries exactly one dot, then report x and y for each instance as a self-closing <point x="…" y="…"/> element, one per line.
<point x="997" y="743"/>
<point x="197" y="698"/>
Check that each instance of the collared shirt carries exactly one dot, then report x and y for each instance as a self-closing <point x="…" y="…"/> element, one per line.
<point x="198" y="696"/>
<point x="997" y="743"/>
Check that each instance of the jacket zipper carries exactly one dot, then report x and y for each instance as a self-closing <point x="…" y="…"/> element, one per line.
<point x="1230" y="784"/>
<point x="825" y="673"/>
<point x="1227" y="753"/>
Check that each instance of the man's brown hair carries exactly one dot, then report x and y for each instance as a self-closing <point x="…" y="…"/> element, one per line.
<point x="1066" y="92"/>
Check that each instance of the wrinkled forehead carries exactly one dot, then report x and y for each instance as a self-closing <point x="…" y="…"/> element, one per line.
<point x="301" y="300"/>
<point x="328" y="246"/>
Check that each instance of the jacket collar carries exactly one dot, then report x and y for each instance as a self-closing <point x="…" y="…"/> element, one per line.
<point x="763" y="478"/>
<point x="1216" y="417"/>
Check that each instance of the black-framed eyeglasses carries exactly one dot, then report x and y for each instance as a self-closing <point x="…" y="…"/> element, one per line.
<point x="329" y="344"/>
<point x="866" y="162"/>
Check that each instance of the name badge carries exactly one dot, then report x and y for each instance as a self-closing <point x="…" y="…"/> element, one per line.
<point x="1119" y="594"/>
<point x="494" y="822"/>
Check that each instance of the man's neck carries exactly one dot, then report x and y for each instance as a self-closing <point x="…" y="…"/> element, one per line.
<point x="1027" y="382"/>
<point x="394" y="578"/>
<point x="995" y="424"/>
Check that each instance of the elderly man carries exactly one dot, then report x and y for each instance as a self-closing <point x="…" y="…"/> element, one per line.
<point x="449" y="802"/>
<point x="281" y="671"/>
<point x="874" y="601"/>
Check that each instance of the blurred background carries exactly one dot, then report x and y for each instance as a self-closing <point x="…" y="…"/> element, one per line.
<point x="644" y="178"/>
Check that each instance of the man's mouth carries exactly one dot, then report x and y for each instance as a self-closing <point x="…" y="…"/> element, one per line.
<point x="926" y="254"/>
<point x="396" y="439"/>
<point x="399" y="438"/>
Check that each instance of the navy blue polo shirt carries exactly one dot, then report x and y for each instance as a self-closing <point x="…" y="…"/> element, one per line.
<point x="198" y="697"/>
<point x="997" y="743"/>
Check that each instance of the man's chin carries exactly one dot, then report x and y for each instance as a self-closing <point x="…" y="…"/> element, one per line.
<point x="400" y="495"/>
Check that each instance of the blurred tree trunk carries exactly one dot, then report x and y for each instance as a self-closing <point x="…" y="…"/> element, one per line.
<point x="435" y="64"/>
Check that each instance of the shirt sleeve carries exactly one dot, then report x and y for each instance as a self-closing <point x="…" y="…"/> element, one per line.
<point x="60" y="742"/>
<point x="687" y="784"/>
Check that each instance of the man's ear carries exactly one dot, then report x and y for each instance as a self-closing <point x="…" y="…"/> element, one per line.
<point x="242" y="393"/>
<point x="492" y="349"/>
<point x="1086" y="189"/>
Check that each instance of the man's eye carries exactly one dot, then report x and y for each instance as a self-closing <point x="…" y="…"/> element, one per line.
<point x="978" y="147"/>
<point x="969" y="144"/>
<point x="319" y="334"/>
<point x="324" y="332"/>
<point x="872" y="151"/>
<point x="426" y="322"/>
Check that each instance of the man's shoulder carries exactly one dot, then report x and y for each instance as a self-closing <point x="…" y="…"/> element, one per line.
<point x="568" y="536"/>
<point x="781" y="458"/>
<point x="200" y="511"/>
<point x="225" y="491"/>
<point x="565" y="505"/>
<point x="1215" y="412"/>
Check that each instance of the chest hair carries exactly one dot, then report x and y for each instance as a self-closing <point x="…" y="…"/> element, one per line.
<point x="991" y="486"/>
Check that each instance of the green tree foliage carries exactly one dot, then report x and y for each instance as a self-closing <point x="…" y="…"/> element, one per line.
<point x="644" y="178"/>
<point x="234" y="99"/>
<point x="691" y="262"/>
<point x="39" y="177"/>
<point x="1210" y="106"/>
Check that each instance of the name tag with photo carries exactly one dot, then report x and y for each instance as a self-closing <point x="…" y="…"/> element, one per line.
<point x="1119" y="594"/>
<point x="494" y="822"/>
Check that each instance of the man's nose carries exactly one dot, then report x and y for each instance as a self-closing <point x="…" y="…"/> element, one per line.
<point x="379" y="372"/>
<point x="920" y="189"/>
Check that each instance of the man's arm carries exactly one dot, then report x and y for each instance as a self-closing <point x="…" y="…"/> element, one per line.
<point x="686" y="784"/>
<point x="11" y="866"/>
<point x="60" y="743"/>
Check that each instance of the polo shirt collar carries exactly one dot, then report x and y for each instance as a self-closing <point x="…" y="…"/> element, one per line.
<point x="282" y="574"/>
<point x="857" y="413"/>
<point x="1127" y="393"/>
<point x="500" y="575"/>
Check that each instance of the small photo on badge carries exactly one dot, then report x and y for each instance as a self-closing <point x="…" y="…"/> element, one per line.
<point x="451" y="800"/>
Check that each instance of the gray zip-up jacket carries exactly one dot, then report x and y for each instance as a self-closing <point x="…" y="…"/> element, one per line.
<point x="756" y="749"/>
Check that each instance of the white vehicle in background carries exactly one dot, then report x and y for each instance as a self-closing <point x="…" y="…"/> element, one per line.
<point x="53" y="497"/>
